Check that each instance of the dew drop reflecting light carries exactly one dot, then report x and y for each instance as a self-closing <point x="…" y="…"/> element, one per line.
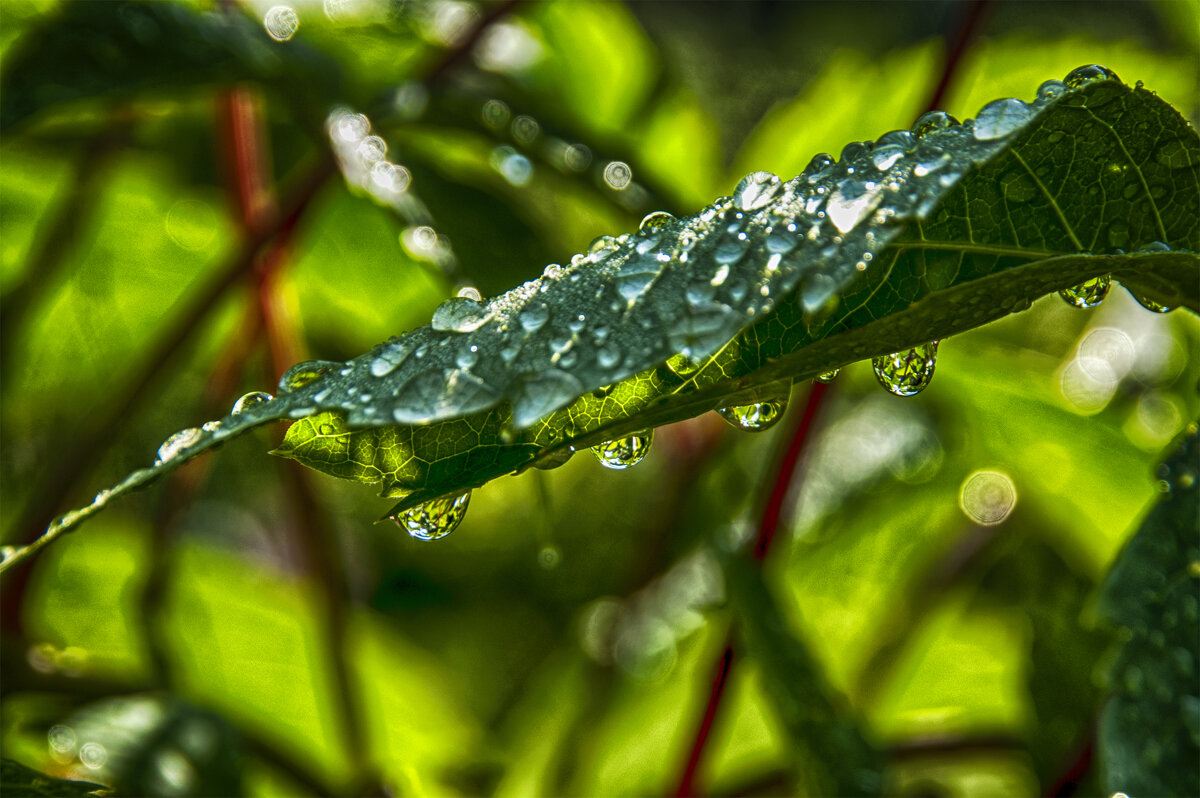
<point x="93" y="755"/>
<point x="617" y="175"/>
<point x="988" y="497"/>
<point x="281" y="23"/>
<point x="624" y="452"/>
<point x="434" y="519"/>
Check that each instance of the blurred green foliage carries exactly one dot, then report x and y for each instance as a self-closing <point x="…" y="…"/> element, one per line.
<point x="562" y="640"/>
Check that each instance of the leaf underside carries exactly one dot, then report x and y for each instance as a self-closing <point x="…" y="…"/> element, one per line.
<point x="1149" y="732"/>
<point x="912" y="239"/>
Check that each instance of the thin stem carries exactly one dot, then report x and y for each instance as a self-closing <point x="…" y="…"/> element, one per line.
<point x="965" y="34"/>
<point x="455" y="55"/>
<point x="772" y="511"/>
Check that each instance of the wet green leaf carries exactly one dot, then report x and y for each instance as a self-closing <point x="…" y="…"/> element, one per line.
<point x="1149" y="737"/>
<point x="18" y="781"/>
<point x="910" y="239"/>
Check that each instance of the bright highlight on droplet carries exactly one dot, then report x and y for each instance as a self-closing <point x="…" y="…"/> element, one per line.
<point x="988" y="497"/>
<point x="618" y="174"/>
<point x="281" y="23"/>
<point x="93" y="755"/>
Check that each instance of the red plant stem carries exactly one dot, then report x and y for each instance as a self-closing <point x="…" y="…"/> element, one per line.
<point x="787" y="465"/>
<point x="787" y="468"/>
<point x="958" y="45"/>
<point x="772" y="512"/>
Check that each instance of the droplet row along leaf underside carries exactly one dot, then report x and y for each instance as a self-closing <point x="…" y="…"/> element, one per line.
<point x="913" y="239"/>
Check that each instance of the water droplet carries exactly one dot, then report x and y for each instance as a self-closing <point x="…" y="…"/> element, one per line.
<point x="1087" y="294"/>
<point x="175" y="444"/>
<point x="434" y="519"/>
<point x="541" y="394"/>
<point x="624" y="452"/>
<point x="618" y="175"/>
<point x="304" y="373"/>
<point x="249" y="400"/>
<point x="817" y="293"/>
<point x="907" y="373"/>
<point x="930" y="160"/>
<point x="441" y="393"/>
<point x="731" y="250"/>
<point x="467" y="356"/>
<point x="828" y="376"/>
<point x="756" y="190"/>
<point x="608" y="356"/>
<point x="901" y="138"/>
<point x="281" y="23"/>
<point x="988" y="497"/>
<point x="602" y="245"/>
<point x="534" y="315"/>
<point x="372" y="149"/>
<point x="636" y="275"/>
<point x="549" y="557"/>
<point x="459" y="315"/>
<point x="389" y="357"/>
<point x="754" y="417"/>
<point x="781" y="241"/>
<point x="654" y="222"/>
<point x="1050" y="90"/>
<point x="851" y="202"/>
<point x="931" y="122"/>
<point x="577" y="324"/>
<point x="1150" y="304"/>
<point x="1001" y="118"/>
<point x="885" y="157"/>
<point x="1081" y="76"/>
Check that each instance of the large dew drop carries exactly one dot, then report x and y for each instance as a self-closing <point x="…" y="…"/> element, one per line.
<point x="624" y="452"/>
<point x="1087" y="294"/>
<point x="754" y="417"/>
<point x="851" y="202"/>
<point x="907" y="373"/>
<point x="250" y="400"/>
<point x="434" y="519"/>
<point x="302" y="374"/>
<point x="459" y="315"/>
<point x="1081" y="76"/>
<point x="175" y="444"/>
<point x="1150" y="304"/>
<point x="932" y="121"/>
<point x="1001" y="118"/>
<point x="756" y="190"/>
<point x="656" y="221"/>
<point x="828" y="376"/>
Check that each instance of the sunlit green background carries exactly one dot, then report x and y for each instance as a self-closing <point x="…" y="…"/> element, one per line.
<point x="562" y="640"/>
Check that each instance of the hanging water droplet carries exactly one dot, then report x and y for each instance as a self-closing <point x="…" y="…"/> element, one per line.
<point x="249" y="400"/>
<point x="459" y="315"/>
<point x="655" y="221"/>
<point x="1081" y="76"/>
<point x="907" y="373"/>
<point x="931" y="122"/>
<point x="756" y="190"/>
<point x="304" y="373"/>
<point x="754" y="417"/>
<point x="828" y="376"/>
<point x="1150" y="304"/>
<point x="1001" y="118"/>
<point x="624" y="452"/>
<point x="1050" y="90"/>
<point x="1087" y="294"/>
<point x="175" y="444"/>
<point x="434" y="519"/>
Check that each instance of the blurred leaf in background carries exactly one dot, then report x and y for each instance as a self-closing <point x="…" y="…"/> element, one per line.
<point x="175" y="235"/>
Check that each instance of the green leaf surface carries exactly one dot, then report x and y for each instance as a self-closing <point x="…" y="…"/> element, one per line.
<point x="1149" y="737"/>
<point x="18" y="781"/>
<point x="911" y="239"/>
